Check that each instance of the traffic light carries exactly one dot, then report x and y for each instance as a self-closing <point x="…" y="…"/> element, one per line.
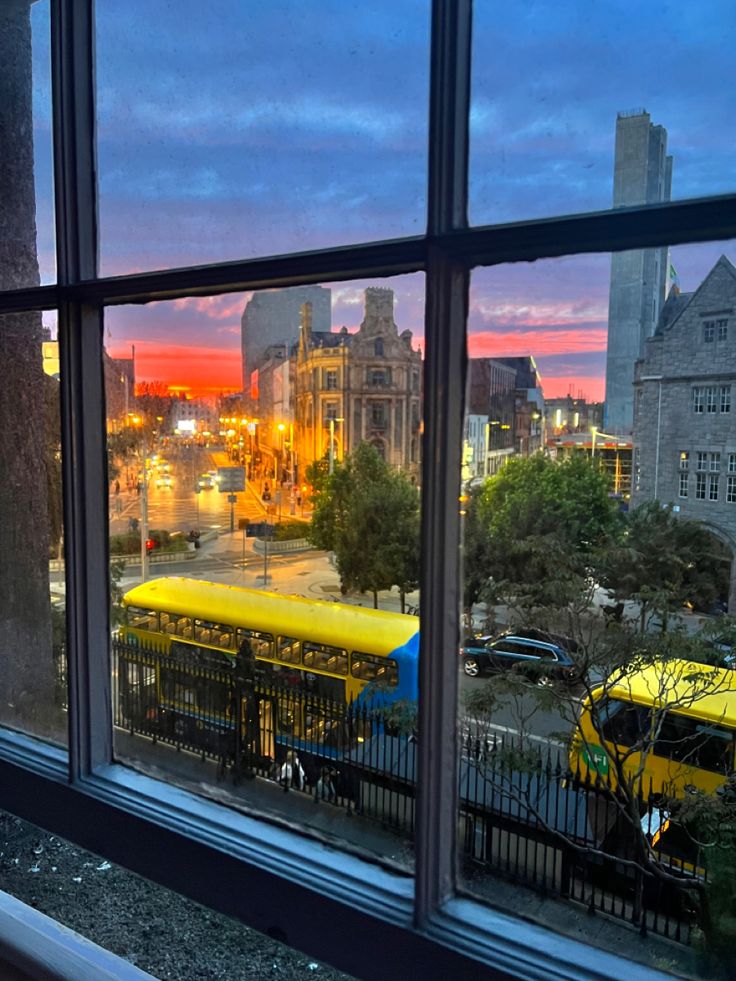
<point x="150" y="545"/>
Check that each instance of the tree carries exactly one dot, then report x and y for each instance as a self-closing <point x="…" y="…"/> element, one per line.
<point x="368" y="516"/>
<point x="533" y="530"/>
<point x="661" y="561"/>
<point x="26" y="664"/>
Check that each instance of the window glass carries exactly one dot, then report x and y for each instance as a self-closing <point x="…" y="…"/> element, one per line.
<point x="234" y="141"/>
<point x="578" y="442"/>
<point x="693" y="742"/>
<point x="366" y="667"/>
<point x="146" y="619"/>
<point x="324" y="658"/>
<point x="26" y="204"/>
<point x="544" y="141"/>
<point x="32" y="562"/>
<point x="236" y="425"/>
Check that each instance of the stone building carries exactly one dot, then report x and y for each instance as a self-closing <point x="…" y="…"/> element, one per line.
<point x="362" y="386"/>
<point x="684" y="422"/>
<point x="642" y="175"/>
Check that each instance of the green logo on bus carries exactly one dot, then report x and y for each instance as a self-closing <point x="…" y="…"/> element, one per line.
<point x="596" y="758"/>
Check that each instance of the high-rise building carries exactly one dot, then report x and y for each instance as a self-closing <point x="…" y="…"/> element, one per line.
<point x="272" y="317"/>
<point x="642" y="175"/>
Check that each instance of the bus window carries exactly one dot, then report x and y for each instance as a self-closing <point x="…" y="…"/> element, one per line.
<point x="368" y="667"/>
<point x="686" y="740"/>
<point x="624" y="723"/>
<point x="213" y="634"/>
<point x="320" y="657"/>
<point x="289" y="650"/>
<point x="143" y="619"/>
<point x="182" y="626"/>
<point x="261" y="644"/>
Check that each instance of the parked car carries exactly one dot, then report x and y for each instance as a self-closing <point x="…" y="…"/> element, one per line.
<point x="539" y="655"/>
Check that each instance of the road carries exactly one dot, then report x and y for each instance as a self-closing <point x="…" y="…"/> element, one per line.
<point x="184" y="506"/>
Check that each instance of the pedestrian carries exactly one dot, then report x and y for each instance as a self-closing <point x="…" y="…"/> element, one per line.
<point x="292" y="773"/>
<point x="117" y="487"/>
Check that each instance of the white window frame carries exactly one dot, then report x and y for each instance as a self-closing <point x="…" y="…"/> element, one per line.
<point x="683" y="484"/>
<point x="731" y="489"/>
<point x="698" y="399"/>
<point x="700" y="486"/>
<point x="714" y="462"/>
<point x="712" y="486"/>
<point x="725" y="398"/>
<point x="328" y="902"/>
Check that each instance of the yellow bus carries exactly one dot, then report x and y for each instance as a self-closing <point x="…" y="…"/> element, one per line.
<point x="670" y="725"/>
<point x="176" y="632"/>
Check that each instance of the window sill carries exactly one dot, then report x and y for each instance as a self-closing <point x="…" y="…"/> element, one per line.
<point x="281" y="883"/>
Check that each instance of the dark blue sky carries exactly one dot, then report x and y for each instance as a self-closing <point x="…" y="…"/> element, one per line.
<point x="241" y="129"/>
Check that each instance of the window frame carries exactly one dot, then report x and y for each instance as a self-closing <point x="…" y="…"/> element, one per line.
<point x="190" y="844"/>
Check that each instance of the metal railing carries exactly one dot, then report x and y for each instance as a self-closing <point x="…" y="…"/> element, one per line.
<point x="523" y="814"/>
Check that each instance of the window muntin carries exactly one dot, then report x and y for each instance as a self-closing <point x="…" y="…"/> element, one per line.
<point x="725" y="398"/>
<point x="711" y="395"/>
<point x="709" y="331"/>
<point x="698" y="399"/>
<point x="700" y="486"/>
<point x="288" y="650"/>
<point x="714" y="462"/>
<point x="722" y="327"/>
<point x="731" y="489"/>
<point x="261" y="643"/>
<point x="136" y="616"/>
<point x="684" y="460"/>
<point x="682" y="485"/>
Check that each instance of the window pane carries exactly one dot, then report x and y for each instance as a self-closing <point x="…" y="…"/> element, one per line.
<point x="544" y="138"/>
<point x="241" y="646"/>
<point x="27" y="251"/>
<point x="32" y="625"/>
<point x="597" y="516"/>
<point x="258" y="129"/>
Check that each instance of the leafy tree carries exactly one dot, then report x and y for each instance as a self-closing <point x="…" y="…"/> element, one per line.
<point x="661" y="561"/>
<point x="368" y="516"/>
<point x="533" y="530"/>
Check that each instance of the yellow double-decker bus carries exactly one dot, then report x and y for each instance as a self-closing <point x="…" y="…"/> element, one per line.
<point x="669" y="725"/>
<point x="182" y="638"/>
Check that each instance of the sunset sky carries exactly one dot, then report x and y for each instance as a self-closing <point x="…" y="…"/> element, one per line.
<point x="254" y="129"/>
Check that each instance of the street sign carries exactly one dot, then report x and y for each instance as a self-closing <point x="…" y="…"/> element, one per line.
<point x="232" y="499"/>
<point x="231" y="479"/>
<point x="243" y="523"/>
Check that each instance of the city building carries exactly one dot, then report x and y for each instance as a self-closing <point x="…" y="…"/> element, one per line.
<point x="684" y="433"/>
<point x="361" y="386"/>
<point x="489" y="423"/>
<point x="571" y="415"/>
<point x="271" y="317"/>
<point x="642" y="175"/>
<point x="528" y="405"/>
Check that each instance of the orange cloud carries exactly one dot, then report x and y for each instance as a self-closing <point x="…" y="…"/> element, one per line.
<point x="200" y="370"/>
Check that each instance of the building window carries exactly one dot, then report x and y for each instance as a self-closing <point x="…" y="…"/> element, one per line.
<point x="700" y="486"/>
<point x="715" y="462"/>
<point x="683" y="484"/>
<point x="732" y="462"/>
<point x="725" y="398"/>
<point x="722" y="326"/>
<point x="712" y="400"/>
<point x="330" y="380"/>
<point x="712" y="487"/>
<point x="709" y="331"/>
<point x="698" y="399"/>
<point x="330" y="411"/>
<point x="702" y="460"/>
<point x="731" y="489"/>
<point x="378" y="347"/>
<point x="684" y="460"/>
<point x="378" y="415"/>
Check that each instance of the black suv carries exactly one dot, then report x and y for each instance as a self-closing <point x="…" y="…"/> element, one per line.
<point x="538" y="655"/>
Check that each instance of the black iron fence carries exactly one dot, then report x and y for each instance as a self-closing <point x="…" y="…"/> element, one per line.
<point x="523" y="813"/>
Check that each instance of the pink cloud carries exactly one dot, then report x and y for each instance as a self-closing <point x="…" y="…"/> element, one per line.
<point x="538" y="342"/>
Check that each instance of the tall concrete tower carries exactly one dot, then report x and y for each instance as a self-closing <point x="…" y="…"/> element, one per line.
<point x="642" y="175"/>
<point x="272" y="317"/>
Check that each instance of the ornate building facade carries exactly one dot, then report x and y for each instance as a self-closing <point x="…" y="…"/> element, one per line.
<point x="354" y="387"/>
